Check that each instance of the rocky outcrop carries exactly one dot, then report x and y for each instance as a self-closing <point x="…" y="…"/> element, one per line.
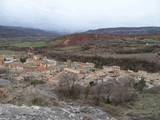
<point x="4" y="82"/>
<point x="69" y="112"/>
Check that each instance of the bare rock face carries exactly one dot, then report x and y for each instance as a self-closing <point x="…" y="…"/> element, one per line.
<point x="4" y="82"/>
<point x="69" y="112"/>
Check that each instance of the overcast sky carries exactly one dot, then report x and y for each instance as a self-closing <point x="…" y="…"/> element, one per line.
<point x="79" y="15"/>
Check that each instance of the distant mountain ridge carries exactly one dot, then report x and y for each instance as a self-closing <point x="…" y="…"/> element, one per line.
<point x="127" y="31"/>
<point x="9" y="31"/>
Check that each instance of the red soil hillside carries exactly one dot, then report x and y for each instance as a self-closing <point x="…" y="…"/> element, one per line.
<point x="76" y="39"/>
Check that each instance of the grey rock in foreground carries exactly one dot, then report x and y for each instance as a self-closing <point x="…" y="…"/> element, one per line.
<point x="4" y="82"/>
<point x="69" y="112"/>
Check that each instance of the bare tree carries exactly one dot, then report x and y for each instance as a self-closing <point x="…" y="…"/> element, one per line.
<point x="68" y="85"/>
<point x="111" y="93"/>
<point x="97" y="92"/>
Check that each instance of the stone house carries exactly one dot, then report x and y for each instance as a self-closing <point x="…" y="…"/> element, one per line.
<point x="9" y="59"/>
<point x="17" y="66"/>
<point x="39" y="57"/>
<point x="43" y="69"/>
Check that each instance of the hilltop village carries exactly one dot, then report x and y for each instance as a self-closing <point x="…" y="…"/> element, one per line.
<point x="39" y="67"/>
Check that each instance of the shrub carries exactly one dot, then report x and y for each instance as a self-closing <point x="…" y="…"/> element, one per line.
<point x="153" y="90"/>
<point x="112" y="93"/>
<point x="68" y="86"/>
<point x="36" y="82"/>
<point x="100" y="92"/>
<point x="139" y="86"/>
<point x="97" y="92"/>
<point x="120" y="94"/>
<point x="36" y="101"/>
<point x="23" y="60"/>
<point x="85" y="47"/>
<point x="87" y="91"/>
<point x="3" y="71"/>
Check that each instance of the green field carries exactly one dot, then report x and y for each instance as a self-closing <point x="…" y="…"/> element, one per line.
<point x="9" y="52"/>
<point x="30" y="44"/>
<point x="152" y="41"/>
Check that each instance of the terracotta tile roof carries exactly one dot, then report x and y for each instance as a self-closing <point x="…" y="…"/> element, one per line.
<point x="41" y="68"/>
<point x="18" y="64"/>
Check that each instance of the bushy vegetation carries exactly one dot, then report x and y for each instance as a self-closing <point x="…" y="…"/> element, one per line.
<point x="68" y="86"/>
<point x="110" y="94"/>
<point x="36" y="101"/>
<point x="36" y="82"/>
<point x="139" y="86"/>
<point x="114" y="94"/>
<point x="30" y="80"/>
<point x="146" y="108"/>
<point x="23" y="60"/>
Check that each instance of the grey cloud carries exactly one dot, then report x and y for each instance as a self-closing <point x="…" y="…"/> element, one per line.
<point x="79" y="15"/>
